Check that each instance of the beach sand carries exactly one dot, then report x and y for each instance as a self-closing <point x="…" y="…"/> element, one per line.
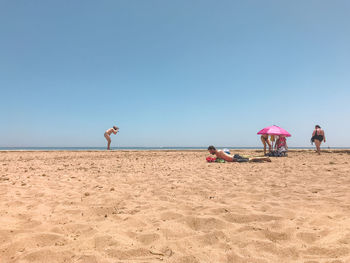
<point x="172" y="206"/>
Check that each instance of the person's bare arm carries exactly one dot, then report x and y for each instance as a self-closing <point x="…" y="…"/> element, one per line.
<point x="115" y="131"/>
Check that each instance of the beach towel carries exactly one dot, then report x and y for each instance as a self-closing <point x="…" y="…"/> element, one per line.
<point x="214" y="160"/>
<point x="211" y="159"/>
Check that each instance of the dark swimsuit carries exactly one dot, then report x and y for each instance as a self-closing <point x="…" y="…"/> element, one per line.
<point x="317" y="137"/>
<point x="265" y="138"/>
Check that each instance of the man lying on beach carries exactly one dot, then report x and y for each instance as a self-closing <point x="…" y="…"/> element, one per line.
<point x="108" y="135"/>
<point x="229" y="158"/>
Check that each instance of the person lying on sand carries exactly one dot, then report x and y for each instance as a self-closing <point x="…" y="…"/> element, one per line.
<point x="108" y="135"/>
<point x="229" y="158"/>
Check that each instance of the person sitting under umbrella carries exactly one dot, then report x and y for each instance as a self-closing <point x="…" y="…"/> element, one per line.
<point x="273" y="131"/>
<point x="281" y="145"/>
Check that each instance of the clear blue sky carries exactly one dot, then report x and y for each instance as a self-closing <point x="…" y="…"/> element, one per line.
<point x="173" y="73"/>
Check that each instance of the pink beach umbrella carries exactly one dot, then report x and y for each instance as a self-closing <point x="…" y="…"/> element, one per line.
<point x="275" y="130"/>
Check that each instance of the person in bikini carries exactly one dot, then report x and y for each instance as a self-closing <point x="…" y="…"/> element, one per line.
<point x="108" y="133"/>
<point x="317" y="137"/>
<point x="265" y="140"/>
<point x="229" y="158"/>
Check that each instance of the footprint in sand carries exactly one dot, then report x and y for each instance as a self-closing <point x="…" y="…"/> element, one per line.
<point x="328" y="252"/>
<point x="233" y="257"/>
<point x="213" y="238"/>
<point x="102" y="242"/>
<point x="147" y="239"/>
<point x="242" y="219"/>
<point x="170" y="216"/>
<point x="48" y="239"/>
<point x="276" y="236"/>
<point x="186" y="259"/>
<point x="308" y="237"/>
<point x="47" y="255"/>
<point x="204" y="223"/>
<point x="131" y="254"/>
<point x="87" y="259"/>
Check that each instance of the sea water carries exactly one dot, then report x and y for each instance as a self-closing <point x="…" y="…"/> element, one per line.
<point x="139" y="148"/>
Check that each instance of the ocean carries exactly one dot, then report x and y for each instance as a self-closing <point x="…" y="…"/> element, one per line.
<point x="138" y="148"/>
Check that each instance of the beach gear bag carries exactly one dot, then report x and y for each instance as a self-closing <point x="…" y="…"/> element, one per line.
<point x="226" y="151"/>
<point x="279" y="153"/>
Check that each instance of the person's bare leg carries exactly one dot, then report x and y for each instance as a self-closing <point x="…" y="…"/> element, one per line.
<point x="270" y="147"/>
<point x="260" y="159"/>
<point x="264" y="143"/>
<point x="319" y="147"/>
<point x="318" y="144"/>
<point x="108" y="141"/>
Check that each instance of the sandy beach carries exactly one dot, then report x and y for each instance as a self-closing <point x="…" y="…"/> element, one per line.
<point x="172" y="206"/>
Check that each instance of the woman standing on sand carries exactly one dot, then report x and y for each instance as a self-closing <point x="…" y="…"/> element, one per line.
<point x="317" y="137"/>
<point x="265" y="140"/>
<point x="108" y="135"/>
